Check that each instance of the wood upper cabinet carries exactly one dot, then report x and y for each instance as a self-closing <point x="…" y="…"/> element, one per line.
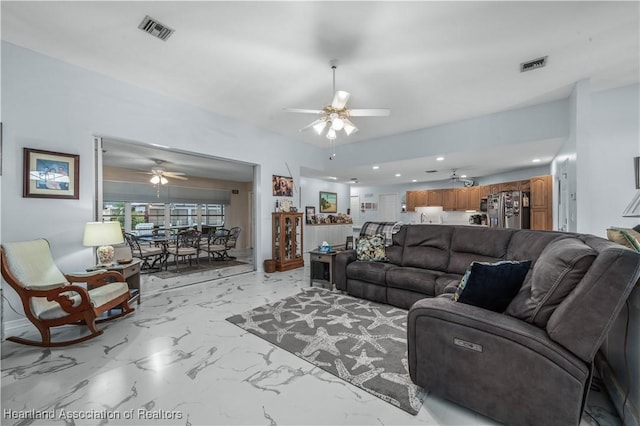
<point x="494" y="188"/>
<point x="462" y="198"/>
<point x="474" y="198"/>
<point x="525" y="185"/>
<point x="510" y="186"/>
<point x="449" y="199"/>
<point x="485" y="190"/>
<point x="540" y="202"/>
<point x="416" y="199"/>
<point x="434" y="197"/>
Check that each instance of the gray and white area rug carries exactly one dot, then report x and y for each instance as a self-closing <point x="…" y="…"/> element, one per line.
<point x="361" y="342"/>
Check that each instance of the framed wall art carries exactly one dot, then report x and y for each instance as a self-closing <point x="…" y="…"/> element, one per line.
<point x="311" y="214"/>
<point x="50" y="174"/>
<point x="282" y="186"/>
<point x="328" y="202"/>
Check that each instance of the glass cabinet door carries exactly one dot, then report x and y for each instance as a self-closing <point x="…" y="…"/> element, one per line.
<point x="298" y="237"/>
<point x="288" y="246"/>
<point x="277" y="238"/>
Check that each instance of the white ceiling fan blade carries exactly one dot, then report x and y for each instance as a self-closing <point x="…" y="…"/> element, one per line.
<point x="319" y="122"/>
<point x="172" y="176"/>
<point x="380" y="112"/>
<point x="173" y="173"/>
<point x="340" y="99"/>
<point x="304" y="111"/>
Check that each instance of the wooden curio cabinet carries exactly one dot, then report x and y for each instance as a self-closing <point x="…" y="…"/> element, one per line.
<point x="287" y="243"/>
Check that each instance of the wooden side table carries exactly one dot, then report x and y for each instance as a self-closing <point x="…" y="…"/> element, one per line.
<point x="322" y="267"/>
<point x="130" y="272"/>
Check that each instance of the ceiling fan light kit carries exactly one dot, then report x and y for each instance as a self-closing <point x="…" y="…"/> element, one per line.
<point x="335" y="117"/>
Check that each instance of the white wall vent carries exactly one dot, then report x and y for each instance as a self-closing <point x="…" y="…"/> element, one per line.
<point x="155" y="28"/>
<point x="534" y="64"/>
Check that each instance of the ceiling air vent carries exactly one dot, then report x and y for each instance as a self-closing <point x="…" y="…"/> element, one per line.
<point x="155" y="28"/>
<point x="534" y="64"/>
<point x="430" y="171"/>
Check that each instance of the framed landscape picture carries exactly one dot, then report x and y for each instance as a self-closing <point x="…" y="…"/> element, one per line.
<point x="50" y="174"/>
<point x="328" y="202"/>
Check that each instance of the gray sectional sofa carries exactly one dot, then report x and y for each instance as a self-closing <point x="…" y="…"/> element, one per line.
<point x="531" y="364"/>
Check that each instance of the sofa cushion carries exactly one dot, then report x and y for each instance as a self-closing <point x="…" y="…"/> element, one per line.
<point x="492" y="286"/>
<point x="413" y="279"/>
<point x="560" y="267"/>
<point x="427" y="246"/>
<point x="371" y="248"/>
<point x="479" y="244"/>
<point x="447" y="283"/>
<point x="372" y="272"/>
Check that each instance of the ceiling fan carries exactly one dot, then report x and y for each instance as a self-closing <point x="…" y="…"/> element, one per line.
<point x="463" y="178"/>
<point x="336" y="117"/>
<point x="160" y="175"/>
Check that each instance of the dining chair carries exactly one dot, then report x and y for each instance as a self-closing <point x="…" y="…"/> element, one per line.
<point x="217" y="245"/>
<point x="51" y="299"/>
<point x="187" y="244"/>
<point x="234" y="233"/>
<point x="150" y="254"/>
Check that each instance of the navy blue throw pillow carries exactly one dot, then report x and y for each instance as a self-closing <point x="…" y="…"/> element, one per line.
<point x="492" y="285"/>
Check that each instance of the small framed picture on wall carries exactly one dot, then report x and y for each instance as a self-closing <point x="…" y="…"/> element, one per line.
<point x="310" y="212"/>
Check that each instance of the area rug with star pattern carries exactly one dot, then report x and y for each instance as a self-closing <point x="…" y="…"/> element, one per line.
<point x="361" y="342"/>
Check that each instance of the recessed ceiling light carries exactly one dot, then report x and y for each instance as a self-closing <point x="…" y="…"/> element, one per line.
<point x="440" y="159"/>
<point x="463" y="176"/>
<point x="333" y="177"/>
<point x="535" y="160"/>
<point x="398" y="175"/>
<point x="375" y="167"/>
<point x="414" y="180"/>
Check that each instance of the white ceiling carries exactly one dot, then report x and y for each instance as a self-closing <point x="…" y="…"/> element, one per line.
<point x="429" y="62"/>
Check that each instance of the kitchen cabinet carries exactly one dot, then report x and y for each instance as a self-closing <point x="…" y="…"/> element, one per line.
<point x="434" y="197"/>
<point x="449" y="199"/>
<point x="510" y="186"/>
<point x="485" y="190"/>
<point x="494" y="188"/>
<point x="416" y="199"/>
<point x="287" y="240"/>
<point x="540" y="202"/>
<point x="474" y="198"/>
<point x="525" y="185"/>
<point x="462" y="199"/>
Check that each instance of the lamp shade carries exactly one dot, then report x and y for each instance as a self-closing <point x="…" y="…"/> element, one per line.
<point x="102" y="233"/>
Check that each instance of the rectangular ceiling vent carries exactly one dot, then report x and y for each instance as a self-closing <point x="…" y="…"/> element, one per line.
<point x="155" y="28"/>
<point x="534" y="64"/>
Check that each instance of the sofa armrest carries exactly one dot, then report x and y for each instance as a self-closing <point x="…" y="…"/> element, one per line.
<point x="476" y="358"/>
<point x="343" y="259"/>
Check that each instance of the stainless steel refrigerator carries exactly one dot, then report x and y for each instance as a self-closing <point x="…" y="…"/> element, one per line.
<point x="508" y="209"/>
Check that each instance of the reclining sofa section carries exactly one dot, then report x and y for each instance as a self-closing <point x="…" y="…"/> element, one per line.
<point x="531" y="364"/>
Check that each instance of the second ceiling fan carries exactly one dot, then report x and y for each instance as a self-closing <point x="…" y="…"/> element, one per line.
<point x="336" y="117"/>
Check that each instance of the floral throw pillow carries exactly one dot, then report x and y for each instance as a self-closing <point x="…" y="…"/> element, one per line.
<point x="371" y="248"/>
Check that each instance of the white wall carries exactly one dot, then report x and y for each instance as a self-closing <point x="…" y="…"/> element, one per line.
<point x="51" y="105"/>
<point x="606" y="180"/>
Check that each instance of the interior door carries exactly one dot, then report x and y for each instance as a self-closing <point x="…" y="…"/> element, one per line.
<point x="355" y="209"/>
<point x="388" y="207"/>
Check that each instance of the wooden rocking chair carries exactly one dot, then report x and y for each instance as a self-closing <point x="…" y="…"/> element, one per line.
<point x="49" y="298"/>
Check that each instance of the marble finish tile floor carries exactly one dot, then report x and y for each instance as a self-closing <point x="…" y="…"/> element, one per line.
<point x="176" y="361"/>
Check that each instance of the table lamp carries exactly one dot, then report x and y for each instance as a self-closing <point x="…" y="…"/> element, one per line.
<point x="102" y="234"/>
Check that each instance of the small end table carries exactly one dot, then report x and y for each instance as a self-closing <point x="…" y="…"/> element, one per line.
<point x="130" y="272"/>
<point x="322" y="267"/>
